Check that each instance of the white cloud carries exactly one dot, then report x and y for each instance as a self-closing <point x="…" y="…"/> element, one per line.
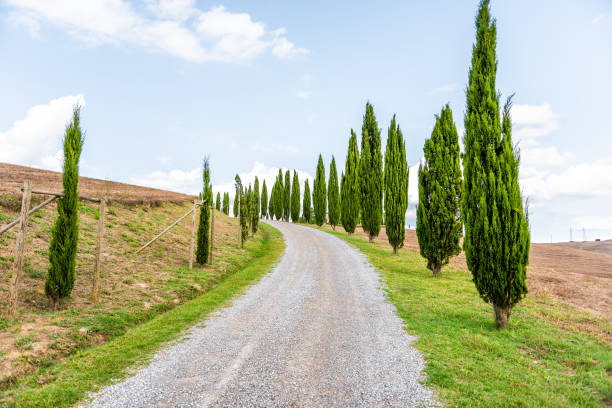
<point x="413" y="185"/>
<point x="530" y="122"/>
<point x="285" y="49"/>
<point x="592" y="179"/>
<point x="303" y="94"/>
<point x="263" y="173"/>
<point x="190" y="181"/>
<point x="181" y="181"/>
<point x="448" y="88"/>
<point x="599" y="18"/>
<point x="174" y="27"/>
<point x="36" y="139"/>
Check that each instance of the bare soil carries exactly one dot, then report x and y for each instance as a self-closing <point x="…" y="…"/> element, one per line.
<point x="579" y="274"/>
<point x="13" y="176"/>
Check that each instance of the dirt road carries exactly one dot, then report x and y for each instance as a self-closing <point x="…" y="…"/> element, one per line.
<point x="315" y="332"/>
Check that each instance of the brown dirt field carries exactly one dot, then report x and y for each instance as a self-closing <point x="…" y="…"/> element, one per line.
<point x="579" y="277"/>
<point x="13" y="176"/>
<point x="134" y="288"/>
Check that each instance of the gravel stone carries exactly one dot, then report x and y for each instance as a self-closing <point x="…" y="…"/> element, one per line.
<point x="317" y="331"/>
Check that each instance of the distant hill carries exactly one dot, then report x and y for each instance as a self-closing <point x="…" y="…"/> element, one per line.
<point x="603" y="247"/>
<point x="12" y="177"/>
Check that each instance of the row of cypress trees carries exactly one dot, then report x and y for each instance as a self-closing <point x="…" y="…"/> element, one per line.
<point x="487" y="201"/>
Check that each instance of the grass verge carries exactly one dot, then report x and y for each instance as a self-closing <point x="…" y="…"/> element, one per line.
<point x="552" y="355"/>
<point x="68" y="382"/>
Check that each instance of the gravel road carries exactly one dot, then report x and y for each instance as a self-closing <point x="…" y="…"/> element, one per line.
<point x="315" y="332"/>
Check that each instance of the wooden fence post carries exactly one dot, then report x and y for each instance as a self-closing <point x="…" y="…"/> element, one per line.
<point x="19" y="246"/>
<point x="193" y="228"/>
<point x="96" y="275"/>
<point x="212" y="233"/>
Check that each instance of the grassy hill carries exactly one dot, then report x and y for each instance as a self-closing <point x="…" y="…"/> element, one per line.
<point x="134" y="288"/>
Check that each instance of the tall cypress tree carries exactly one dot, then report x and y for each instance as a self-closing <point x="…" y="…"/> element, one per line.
<point x="279" y="200"/>
<point x="244" y="210"/>
<point x="320" y="194"/>
<point x="306" y="203"/>
<point x="497" y="239"/>
<point x="287" y="196"/>
<point x="271" y="201"/>
<point x="439" y="224"/>
<point x="65" y="232"/>
<point x="295" y="198"/>
<point x="255" y="207"/>
<point x="235" y="204"/>
<point x="226" y="203"/>
<point x="264" y="200"/>
<point x="218" y="202"/>
<point x="203" y="241"/>
<point x="371" y="175"/>
<point x="249" y="206"/>
<point x="280" y="192"/>
<point x="396" y="187"/>
<point x="350" y="196"/>
<point x="333" y="195"/>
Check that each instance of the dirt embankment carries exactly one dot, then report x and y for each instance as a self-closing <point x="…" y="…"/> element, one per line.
<point x="576" y="273"/>
<point x="13" y="176"/>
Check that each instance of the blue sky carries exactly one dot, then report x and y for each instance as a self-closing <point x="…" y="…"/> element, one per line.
<point x="262" y="85"/>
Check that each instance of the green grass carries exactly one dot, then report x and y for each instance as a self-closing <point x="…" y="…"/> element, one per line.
<point x="68" y="382"/>
<point x="545" y="359"/>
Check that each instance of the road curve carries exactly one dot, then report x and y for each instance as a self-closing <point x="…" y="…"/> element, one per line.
<point x="315" y="332"/>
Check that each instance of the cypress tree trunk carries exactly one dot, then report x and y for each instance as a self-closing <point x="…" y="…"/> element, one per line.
<point x="65" y="232"/>
<point x="371" y="175"/>
<point x="396" y="187"/>
<point x="439" y="226"/>
<point x="333" y="195"/>
<point x="320" y="196"/>
<point x="306" y="203"/>
<point x="203" y="241"/>
<point x="497" y="239"/>
<point x="295" y="198"/>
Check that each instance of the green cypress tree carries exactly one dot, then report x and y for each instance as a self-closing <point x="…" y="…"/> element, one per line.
<point x="280" y="192"/>
<point x="295" y="198"/>
<point x="396" y="187"/>
<point x="333" y="195"/>
<point x="497" y="239"/>
<point x="226" y="203"/>
<point x="371" y="175"/>
<point x="320" y="194"/>
<point x="218" y="202"/>
<point x="65" y="232"/>
<point x="255" y="207"/>
<point x="249" y="206"/>
<point x="306" y="203"/>
<point x="203" y="240"/>
<point x="264" y="200"/>
<point x="271" y="201"/>
<point x="350" y="198"/>
<point x="235" y="203"/>
<point x="287" y="196"/>
<point x="439" y="224"/>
